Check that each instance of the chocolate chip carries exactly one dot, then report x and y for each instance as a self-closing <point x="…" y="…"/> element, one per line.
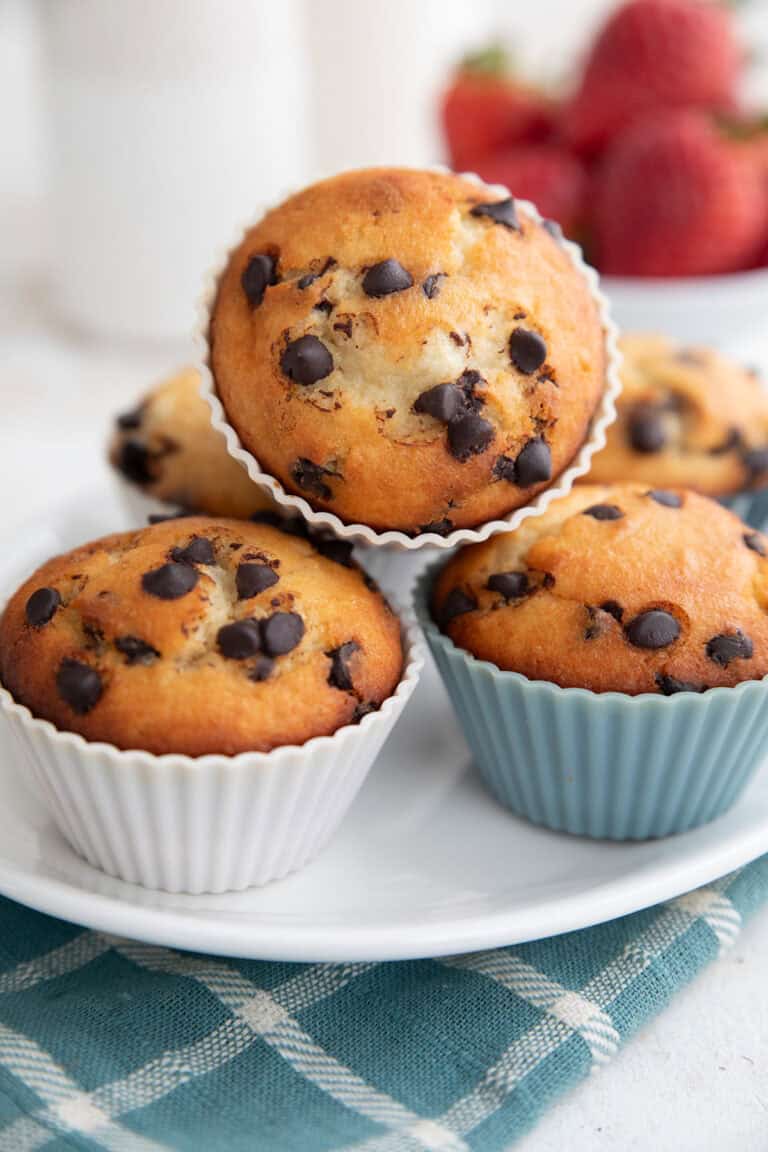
<point x="730" y="443"/>
<point x="198" y="551"/>
<point x="755" y="541"/>
<point x="386" y="277"/>
<point x="603" y="512"/>
<point x="136" y="650"/>
<point x="469" y="436"/>
<point x="309" y="477"/>
<point x="527" y="350"/>
<point x="444" y="402"/>
<point x="310" y="277"/>
<point x="259" y="274"/>
<point x="281" y="632"/>
<point x="456" y="603"/>
<point x="729" y="646"/>
<point x="554" y="229"/>
<point x="306" y="360"/>
<point x="171" y="581"/>
<point x="670" y="685"/>
<point x="240" y="640"/>
<point x="504" y="469"/>
<point x="291" y="525"/>
<point x="501" y="212"/>
<point x="653" y="629"/>
<point x="756" y="461"/>
<point x="511" y="585"/>
<point x="442" y="527"/>
<point x="340" y="676"/>
<point x="340" y="551"/>
<point x="133" y="460"/>
<point x="613" y="608"/>
<point x="254" y="578"/>
<point x="41" y="606"/>
<point x="325" y="306"/>
<point x="431" y="286"/>
<point x="129" y="421"/>
<point x="645" y="429"/>
<point x="595" y="626"/>
<point x="261" y="669"/>
<point x="665" y="498"/>
<point x="364" y="708"/>
<point x="533" y="464"/>
<point x="79" y="685"/>
<point x="468" y="380"/>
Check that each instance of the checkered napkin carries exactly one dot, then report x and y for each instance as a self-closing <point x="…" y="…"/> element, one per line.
<point x="110" y="1044"/>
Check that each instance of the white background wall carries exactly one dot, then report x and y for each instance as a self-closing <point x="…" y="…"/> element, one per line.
<point x="138" y="133"/>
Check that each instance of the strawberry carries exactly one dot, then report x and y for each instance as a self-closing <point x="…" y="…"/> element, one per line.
<point x="651" y="56"/>
<point x="484" y="109"/>
<point x="555" y="180"/>
<point x="675" y="197"/>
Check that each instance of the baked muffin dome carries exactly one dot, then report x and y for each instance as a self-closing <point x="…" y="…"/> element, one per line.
<point x="686" y="416"/>
<point x="621" y="588"/>
<point x="407" y="350"/>
<point x="168" y="447"/>
<point x="199" y="636"/>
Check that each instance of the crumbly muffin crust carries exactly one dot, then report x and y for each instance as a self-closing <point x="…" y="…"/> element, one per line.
<point x="199" y="636"/>
<point x="406" y="350"/>
<point x="168" y="447"/>
<point x="686" y="417"/>
<point x="616" y="588"/>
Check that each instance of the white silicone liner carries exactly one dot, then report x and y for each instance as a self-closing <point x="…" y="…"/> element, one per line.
<point x="206" y="824"/>
<point x="604" y="415"/>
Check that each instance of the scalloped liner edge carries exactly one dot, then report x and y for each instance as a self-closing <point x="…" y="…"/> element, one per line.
<point x="602" y="418"/>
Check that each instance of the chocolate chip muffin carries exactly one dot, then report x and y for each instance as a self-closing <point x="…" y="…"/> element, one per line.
<point x="622" y="588"/>
<point x="686" y="416"/>
<point x="407" y="350"/>
<point x="199" y="636"/>
<point x="168" y="447"/>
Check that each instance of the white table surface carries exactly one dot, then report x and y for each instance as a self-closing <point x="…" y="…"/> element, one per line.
<point x="695" y="1079"/>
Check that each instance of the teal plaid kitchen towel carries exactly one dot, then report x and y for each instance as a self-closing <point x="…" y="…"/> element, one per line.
<point x="110" y="1044"/>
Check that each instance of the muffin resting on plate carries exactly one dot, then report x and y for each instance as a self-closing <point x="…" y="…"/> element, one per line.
<point x="199" y="636"/>
<point x="168" y="447"/>
<point x="623" y="588"/>
<point x="407" y="350"/>
<point x="687" y="417"/>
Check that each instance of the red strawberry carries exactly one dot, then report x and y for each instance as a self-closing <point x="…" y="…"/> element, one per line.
<point x="674" y="197"/>
<point x="653" y="55"/>
<point x="484" y="109"/>
<point x="555" y="180"/>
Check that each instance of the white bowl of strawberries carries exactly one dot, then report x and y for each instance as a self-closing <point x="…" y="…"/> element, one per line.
<point x="650" y="162"/>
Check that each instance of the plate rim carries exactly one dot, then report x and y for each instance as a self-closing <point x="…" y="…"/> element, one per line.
<point x="323" y="944"/>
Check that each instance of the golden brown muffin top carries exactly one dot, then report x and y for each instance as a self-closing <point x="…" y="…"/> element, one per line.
<point x="686" y="416"/>
<point x="616" y="588"/>
<point x="168" y="447"/>
<point x="406" y="350"/>
<point x="199" y="636"/>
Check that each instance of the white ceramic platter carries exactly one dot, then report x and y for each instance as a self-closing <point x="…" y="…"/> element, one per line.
<point x="425" y="864"/>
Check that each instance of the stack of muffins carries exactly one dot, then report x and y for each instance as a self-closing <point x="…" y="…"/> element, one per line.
<point x="410" y="359"/>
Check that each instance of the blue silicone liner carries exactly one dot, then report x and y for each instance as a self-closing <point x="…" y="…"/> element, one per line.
<point x="751" y="507"/>
<point x="605" y="765"/>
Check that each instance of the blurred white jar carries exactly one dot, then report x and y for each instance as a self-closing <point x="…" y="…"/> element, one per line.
<point x="170" y="122"/>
